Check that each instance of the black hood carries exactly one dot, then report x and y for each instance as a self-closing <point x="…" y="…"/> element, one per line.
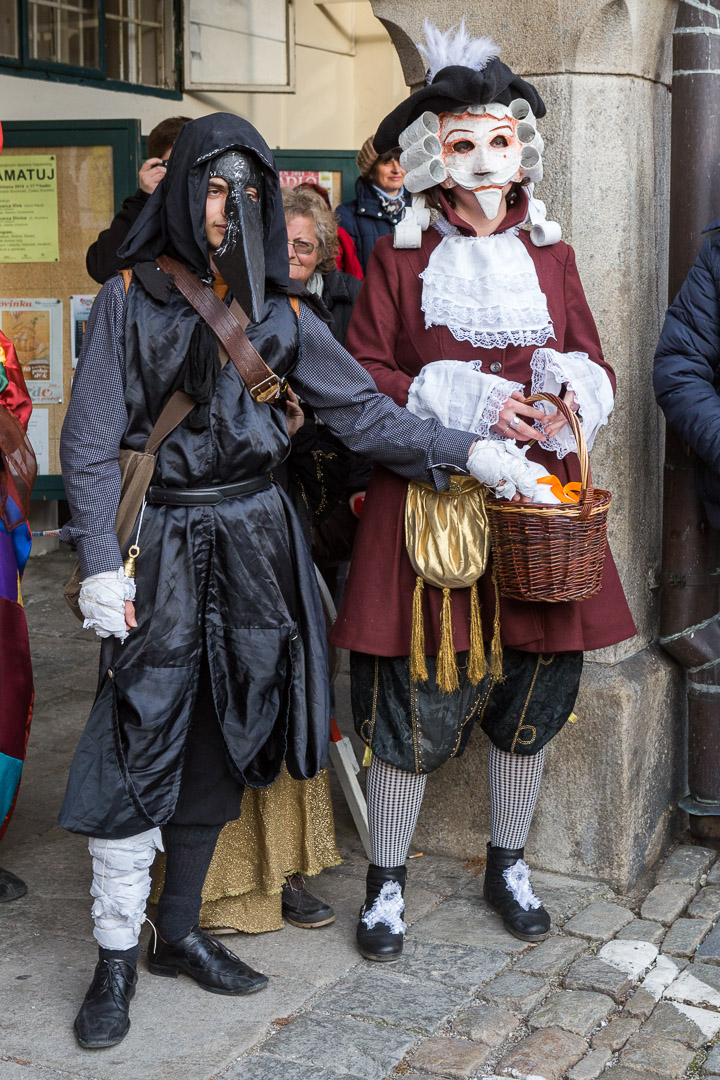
<point x="173" y="219"/>
<point x="453" y="88"/>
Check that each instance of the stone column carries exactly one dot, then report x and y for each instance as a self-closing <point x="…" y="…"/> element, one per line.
<point x="608" y="803"/>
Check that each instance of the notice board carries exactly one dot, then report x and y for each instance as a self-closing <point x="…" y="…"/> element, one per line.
<point x="95" y="167"/>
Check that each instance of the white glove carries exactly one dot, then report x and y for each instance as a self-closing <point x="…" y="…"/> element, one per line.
<point x="503" y="467"/>
<point x="102" y="602"/>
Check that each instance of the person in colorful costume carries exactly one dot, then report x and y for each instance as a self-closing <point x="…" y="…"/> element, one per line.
<point x="463" y="314"/>
<point x="17" y="473"/>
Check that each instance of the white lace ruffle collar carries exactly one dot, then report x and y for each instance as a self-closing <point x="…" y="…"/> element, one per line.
<point x="485" y="289"/>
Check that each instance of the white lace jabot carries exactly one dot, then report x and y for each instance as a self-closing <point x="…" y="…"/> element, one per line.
<point x="485" y="289"/>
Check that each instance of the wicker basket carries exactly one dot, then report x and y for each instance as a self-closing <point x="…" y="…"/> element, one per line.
<point x="553" y="552"/>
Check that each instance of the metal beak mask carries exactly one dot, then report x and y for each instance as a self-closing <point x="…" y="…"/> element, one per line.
<point x="241" y="257"/>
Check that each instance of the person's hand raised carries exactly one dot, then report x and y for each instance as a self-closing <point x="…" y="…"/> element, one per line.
<point x="151" y="174"/>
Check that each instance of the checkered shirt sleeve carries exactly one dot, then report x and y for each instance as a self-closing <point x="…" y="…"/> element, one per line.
<point x="344" y="396"/>
<point x="90" y="441"/>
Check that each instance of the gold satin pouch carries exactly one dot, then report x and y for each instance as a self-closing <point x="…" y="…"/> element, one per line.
<point x="447" y="538"/>
<point x="446" y="532"/>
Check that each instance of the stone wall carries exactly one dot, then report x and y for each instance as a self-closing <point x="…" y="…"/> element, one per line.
<point x="607" y="807"/>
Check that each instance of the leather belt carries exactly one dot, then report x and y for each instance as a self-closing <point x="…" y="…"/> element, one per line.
<point x="206" y="496"/>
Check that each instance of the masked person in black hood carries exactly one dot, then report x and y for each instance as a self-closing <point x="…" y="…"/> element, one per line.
<point x="213" y="667"/>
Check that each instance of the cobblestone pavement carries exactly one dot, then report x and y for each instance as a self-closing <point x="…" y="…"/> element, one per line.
<point x="627" y="988"/>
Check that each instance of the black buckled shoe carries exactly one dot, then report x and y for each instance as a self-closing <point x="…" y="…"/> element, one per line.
<point x="207" y="961"/>
<point x="104" y="1018"/>
<point x="381" y="930"/>
<point x="507" y="889"/>
<point x="11" y="886"/>
<point x="301" y="908"/>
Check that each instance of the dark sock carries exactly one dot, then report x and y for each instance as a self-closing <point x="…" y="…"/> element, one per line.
<point x="130" y="956"/>
<point x="189" y="850"/>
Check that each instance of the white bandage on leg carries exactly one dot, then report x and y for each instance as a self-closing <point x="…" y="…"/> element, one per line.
<point x="121" y="886"/>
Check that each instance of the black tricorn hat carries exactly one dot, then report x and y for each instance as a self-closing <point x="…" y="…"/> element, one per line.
<point x="452" y="88"/>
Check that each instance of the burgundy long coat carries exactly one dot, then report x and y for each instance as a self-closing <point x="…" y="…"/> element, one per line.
<point x="387" y="335"/>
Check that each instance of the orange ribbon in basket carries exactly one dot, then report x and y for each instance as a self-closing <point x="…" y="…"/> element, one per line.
<point x="570" y="493"/>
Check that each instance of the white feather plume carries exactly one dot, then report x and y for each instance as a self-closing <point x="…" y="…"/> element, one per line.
<point x="442" y="49"/>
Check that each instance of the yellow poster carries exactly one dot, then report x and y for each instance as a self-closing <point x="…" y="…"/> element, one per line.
<point x="34" y="326"/>
<point x="28" y="209"/>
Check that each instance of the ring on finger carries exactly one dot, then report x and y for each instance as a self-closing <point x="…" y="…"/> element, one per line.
<point x="513" y="422"/>
<point x="505" y="429"/>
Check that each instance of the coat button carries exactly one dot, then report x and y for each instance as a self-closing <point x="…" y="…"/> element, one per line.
<point x="495" y="367"/>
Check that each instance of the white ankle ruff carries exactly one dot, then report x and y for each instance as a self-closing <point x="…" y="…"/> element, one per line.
<point x="387" y="908"/>
<point x="517" y="879"/>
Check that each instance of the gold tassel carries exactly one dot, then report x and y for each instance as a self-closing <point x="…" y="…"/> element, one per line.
<point x="447" y="672"/>
<point x="418" y="667"/>
<point x="367" y="758"/>
<point x="477" y="662"/>
<point x="496" y="652"/>
<point x="129" y="564"/>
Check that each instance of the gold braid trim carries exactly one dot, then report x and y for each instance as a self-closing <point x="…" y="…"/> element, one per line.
<point x="418" y="667"/>
<point x="447" y="671"/>
<point x="477" y="662"/>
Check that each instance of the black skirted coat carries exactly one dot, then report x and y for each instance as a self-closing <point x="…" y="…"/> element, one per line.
<point x="231" y="586"/>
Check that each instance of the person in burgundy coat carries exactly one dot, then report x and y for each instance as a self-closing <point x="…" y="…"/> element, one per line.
<point x="461" y="322"/>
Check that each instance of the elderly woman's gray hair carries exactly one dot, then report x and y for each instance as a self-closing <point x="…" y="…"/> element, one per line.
<point x="309" y="204"/>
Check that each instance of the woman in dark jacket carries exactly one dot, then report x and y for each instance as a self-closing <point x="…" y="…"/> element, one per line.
<point x="325" y="473"/>
<point x="687" y="369"/>
<point x="379" y="202"/>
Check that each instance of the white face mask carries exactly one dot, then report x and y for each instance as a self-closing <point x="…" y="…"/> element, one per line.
<point x="481" y="152"/>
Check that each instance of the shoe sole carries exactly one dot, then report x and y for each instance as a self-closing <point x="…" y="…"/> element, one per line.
<point x="516" y="933"/>
<point x="173" y="973"/>
<point x="309" y="925"/>
<point x="526" y="937"/>
<point x="379" y="959"/>
<point x="15" y="896"/>
<point x="101" y="1045"/>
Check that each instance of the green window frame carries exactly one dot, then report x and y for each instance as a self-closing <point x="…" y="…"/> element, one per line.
<point x="103" y="13"/>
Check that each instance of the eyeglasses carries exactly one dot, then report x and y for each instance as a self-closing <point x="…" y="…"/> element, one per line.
<point x="302" y="247"/>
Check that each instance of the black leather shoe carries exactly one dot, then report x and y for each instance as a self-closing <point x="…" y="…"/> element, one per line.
<point x="381" y="930"/>
<point x="11" y="886"/>
<point x="301" y="908"/>
<point x="528" y="924"/>
<point x="104" y="1018"/>
<point x="205" y="960"/>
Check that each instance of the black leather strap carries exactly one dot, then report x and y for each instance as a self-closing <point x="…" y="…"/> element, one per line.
<point x="206" y="496"/>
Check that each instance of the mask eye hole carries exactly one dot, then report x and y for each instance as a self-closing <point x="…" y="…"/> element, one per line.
<point x="253" y="194"/>
<point x="499" y="141"/>
<point x="463" y="146"/>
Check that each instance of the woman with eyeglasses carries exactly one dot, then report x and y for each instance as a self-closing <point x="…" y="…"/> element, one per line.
<point x="312" y="246"/>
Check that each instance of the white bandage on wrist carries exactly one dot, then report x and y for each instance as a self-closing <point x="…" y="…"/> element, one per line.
<point x="503" y="467"/>
<point x="102" y="602"/>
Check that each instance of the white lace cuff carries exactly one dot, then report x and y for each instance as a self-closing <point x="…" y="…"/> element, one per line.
<point x="459" y="395"/>
<point x="589" y="382"/>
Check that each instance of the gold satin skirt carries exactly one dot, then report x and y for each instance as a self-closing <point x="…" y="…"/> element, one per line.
<point x="285" y="829"/>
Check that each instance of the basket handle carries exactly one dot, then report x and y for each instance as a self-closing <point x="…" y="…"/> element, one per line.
<point x="586" y="487"/>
